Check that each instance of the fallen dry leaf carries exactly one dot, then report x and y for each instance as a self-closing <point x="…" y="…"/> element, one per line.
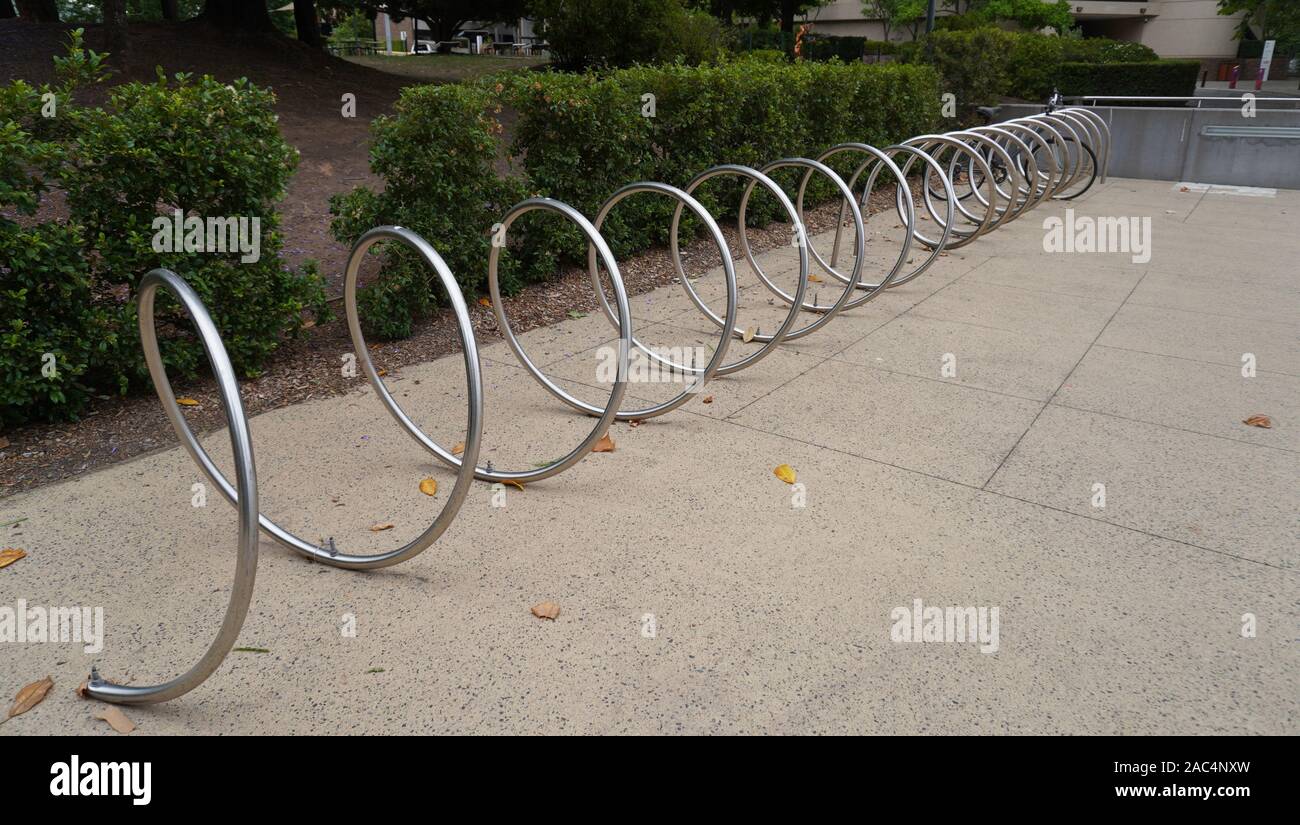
<point x="604" y="445"/>
<point x="187" y="402"/>
<point x="116" y="719"/>
<point x="635" y="422"/>
<point x="1183" y="189"/>
<point x="1254" y="421"/>
<point x="375" y="528"/>
<point x="485" y="302"/>
<point x="30" y="696"/>
<point x="708" y="399"/>
<point x="459" y="448"/>
<point x="785" y="472"/>
<point x="429" y="487"/>
<point x="546" y="610"/>
<point x="749" y="335"/>
<point x="82" y="693"/>
<point x="514" y="483"/>
<point x="816" y="279"/>
<point x="9" y="555"/>
<point x="381" y="372"/>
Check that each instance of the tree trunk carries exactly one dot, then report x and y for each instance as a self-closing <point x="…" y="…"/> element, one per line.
<point x="245" y="15"/>
<point x="7" y="10"/>
<point x="787" y="15"/>
<point x="170" y="10"/>
<point x="443" y="28"/>
<point x="304" y="19"/>
<point x="39" y="11"/>
<point x="115" y="28"/>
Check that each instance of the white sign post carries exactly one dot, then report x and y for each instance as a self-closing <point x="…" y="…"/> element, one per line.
<point x="1265" y="60"/>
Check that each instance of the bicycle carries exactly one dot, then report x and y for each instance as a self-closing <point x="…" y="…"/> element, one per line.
<point x="1067" y="148"/>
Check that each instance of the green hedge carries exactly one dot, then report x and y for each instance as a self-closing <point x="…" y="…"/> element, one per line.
<point x="436" y="156"/>
<point x="1171" y="78"/>
<point x="847" y="49"/>
<point x="580" y="137"/>
<point x="755" y="39"/>
<point x="818" y="47"/>
<point x="982" y="65"/>
<point x="612" y="33"/>
<point x="972" y="63"/>
<point x="68" y="275"/>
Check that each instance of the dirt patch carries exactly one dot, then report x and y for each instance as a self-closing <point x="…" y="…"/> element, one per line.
<point x="309" y="87"/>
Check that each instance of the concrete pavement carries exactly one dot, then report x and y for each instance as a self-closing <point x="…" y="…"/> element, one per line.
<point x="696" y="595"/>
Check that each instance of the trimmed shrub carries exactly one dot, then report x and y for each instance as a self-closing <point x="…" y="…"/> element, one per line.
<point x="1102" y="50"/>
<point x="436" y="156"/>
<point x="1032" y="65"/>
<point x="693" y="37"/>
<point x="981" y="65"/>
<point x="583" y="137"/>
<point x="611" y="33"/>
<point x="205" y="148"/>
<point x="580" y="137"/>
<point x="1172" y="78"/>
<point x="765" y="40"/>
<point x="879" y="47"/>
<point x="848" y="49"/>
<point x="972" y="63"/>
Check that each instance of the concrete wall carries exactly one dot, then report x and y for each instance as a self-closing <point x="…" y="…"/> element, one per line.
<point x="844" y="18"/>
<point x="1190" y="28"/>
<point x="1168" y="144"/>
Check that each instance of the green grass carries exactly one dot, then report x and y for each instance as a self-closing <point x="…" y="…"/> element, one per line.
<point x="445" y="68"/>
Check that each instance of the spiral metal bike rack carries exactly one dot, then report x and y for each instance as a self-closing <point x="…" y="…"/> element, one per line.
<point x="1003" y="170"/>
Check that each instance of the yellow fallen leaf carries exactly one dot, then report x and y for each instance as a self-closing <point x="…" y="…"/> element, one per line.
<point x="785" y="472"/>
<point x="1254" y="421"/>
<point x="708" y="399"/>
<point x="485" y="302"/>
<point x="375" y="528"/>
<point x="187" y="402"/>
<point x="30" y="696"/>
<point x="514" y="483"/>
<point x="459" y="448"/>
<point x="816" y="279"/>
<point x="604" y="445"/>
<point x="9" y="555"/>
<point x="429" y="487"/>
<point x="749" y="335"/>
<point x="116" y="719"/>
<point x="381" y="372"/>
<point x="546" y="610"/>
